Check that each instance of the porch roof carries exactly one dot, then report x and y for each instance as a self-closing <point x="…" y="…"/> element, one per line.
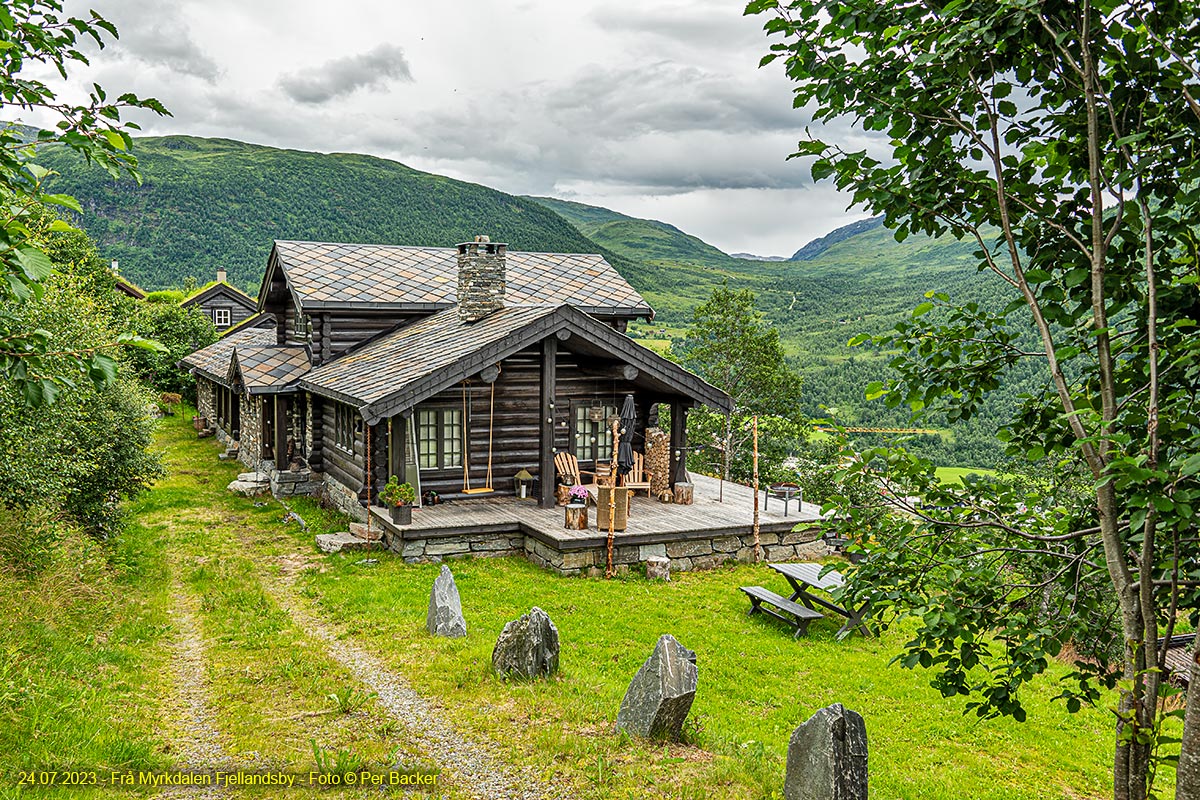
<point x="268" y="370"/>
<point x="397" y="371"/>
<point x="212" y="362"/>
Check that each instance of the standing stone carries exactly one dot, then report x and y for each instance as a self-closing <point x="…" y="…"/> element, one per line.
<point x="661" y="693"/>
<point x="445" y="617"/>
<point x="827" y="757"/>
<point x="658" y="568"/>
<point x="527" y="647"/>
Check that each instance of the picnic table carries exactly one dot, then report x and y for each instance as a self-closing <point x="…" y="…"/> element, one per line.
<point x="806" y="577"/>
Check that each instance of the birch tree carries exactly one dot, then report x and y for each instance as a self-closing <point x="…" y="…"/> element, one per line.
<point x="1061" y="138"/>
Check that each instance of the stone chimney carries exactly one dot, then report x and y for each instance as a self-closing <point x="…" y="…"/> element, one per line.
<point x="221" y="276"/>
<point x="481" y="267"/>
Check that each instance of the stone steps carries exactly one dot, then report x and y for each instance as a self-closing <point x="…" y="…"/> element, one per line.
<point x="251" y="484"/>
<point x="337" y="542"/>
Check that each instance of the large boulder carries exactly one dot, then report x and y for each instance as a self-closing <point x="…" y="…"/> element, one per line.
<point x="527" y="647"/>
<point x="661" y="693"/>
<point x="827" y="757"/>
<point x="445" y="617"/>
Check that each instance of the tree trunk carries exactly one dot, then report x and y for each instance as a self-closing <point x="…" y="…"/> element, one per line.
<point x="728" y="445"/>
<point x="1187" y="776"/>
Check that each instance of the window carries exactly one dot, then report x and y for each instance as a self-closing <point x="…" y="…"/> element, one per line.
<point x="592" y="434"/>
<point x="221" y="317"/>
<point x="343" y="427"/>
<point x="439" y="438"/>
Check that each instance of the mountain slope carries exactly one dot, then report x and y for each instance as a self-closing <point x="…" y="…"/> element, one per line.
<point x="213" y="202"/>
<point x="206" y="203"/>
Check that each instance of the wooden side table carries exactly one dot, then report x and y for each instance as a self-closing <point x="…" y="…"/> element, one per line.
<point x="576" y="517"/>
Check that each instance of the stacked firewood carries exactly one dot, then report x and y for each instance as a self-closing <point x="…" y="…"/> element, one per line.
<point x="658" y="462"/>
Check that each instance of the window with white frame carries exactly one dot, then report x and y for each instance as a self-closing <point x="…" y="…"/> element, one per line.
<point x="221" y="317"/>
<point x="591" y="432"/>
<point x="440" y="435"/>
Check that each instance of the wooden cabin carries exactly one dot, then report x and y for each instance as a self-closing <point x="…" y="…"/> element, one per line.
<point x="227" y="306"/>
<point x="454" y="368"/>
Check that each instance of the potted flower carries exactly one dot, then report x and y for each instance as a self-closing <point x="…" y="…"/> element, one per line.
<point x="399" y="497"/>
<point x="576" y="510"/>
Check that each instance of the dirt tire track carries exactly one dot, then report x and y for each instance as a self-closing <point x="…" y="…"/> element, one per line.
<point x="476" y="770"/>
<point x="198" y="744"/>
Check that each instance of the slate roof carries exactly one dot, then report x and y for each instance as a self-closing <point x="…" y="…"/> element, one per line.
<point x="231" y="293"/>
<point x="213" y="361"/>
<point x="377" y="369"/>
<point x="266" y="370"/>
<point x="329" y="275"/>
<point x="398" y="370"/>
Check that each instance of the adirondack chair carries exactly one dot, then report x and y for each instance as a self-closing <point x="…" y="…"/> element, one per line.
<point x="638" y="477"/>
<point x="568" y="470"/>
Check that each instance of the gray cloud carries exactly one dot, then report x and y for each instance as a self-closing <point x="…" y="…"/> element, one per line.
<point x="653" y="111"/>
<point x="342" y="76"/>
<point x="154" y="34"/>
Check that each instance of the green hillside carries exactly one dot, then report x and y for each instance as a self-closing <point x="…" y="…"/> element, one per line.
<point x="206" y="203"/>
<point x="857" y="279"/>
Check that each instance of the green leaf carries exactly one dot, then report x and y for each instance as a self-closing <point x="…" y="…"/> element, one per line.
<point x="64" y="200"/>
<point x="114" y="138"/>
<point x="923" y="308"/>
<point x="36" y="265"/>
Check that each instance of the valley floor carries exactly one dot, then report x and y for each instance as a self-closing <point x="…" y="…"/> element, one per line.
<point x="216" y="637"/>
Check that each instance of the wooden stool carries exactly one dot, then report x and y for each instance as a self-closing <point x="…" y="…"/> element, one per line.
<point x="562" y="495"/>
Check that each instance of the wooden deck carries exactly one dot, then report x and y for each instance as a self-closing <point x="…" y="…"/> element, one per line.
<point x="662" y="527"/>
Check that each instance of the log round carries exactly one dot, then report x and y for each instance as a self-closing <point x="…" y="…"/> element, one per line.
<point x="576" y="518"/>
<point x="683" y="494"/>
<point x="562" y="495"/>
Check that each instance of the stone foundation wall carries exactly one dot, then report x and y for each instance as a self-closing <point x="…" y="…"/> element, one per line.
<point x="250" y="452"/>
<point x="308" y="426"/>
<point x="484" y="545"/>
<point x="206" y="405"/>
<point x="344" y="499"/>
<point x="684" y="556"/>
<point x="291" y="483"/>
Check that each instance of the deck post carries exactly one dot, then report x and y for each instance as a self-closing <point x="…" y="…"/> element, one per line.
<point x="396" y="447"/>
<point x="316" y="458"/>
<point x="281" y="431"/>
<point x="379" y="460"/>
<point x="546" y="440"/>
<point x="678" y="443"/>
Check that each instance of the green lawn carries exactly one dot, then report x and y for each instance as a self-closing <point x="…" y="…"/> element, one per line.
<point x="98" y="661"/>
<point x="954" y="475"/>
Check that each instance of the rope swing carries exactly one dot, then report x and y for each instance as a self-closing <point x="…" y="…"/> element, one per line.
<point x="487" y="484"/>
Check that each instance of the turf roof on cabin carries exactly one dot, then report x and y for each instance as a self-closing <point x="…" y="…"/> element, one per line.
<point x="264" y="370"/>
<point x="325" y="274"/>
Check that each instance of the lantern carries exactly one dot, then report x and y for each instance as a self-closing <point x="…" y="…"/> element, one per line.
<point x="523" y="484"/>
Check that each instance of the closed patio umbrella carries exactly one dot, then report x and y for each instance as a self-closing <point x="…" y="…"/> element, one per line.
<point x="625" y="445"/>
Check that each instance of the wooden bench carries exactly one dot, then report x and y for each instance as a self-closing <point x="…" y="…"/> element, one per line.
<point x="800" y="616"/>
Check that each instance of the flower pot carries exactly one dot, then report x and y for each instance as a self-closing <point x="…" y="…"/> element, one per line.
<point x="401" y="515"/>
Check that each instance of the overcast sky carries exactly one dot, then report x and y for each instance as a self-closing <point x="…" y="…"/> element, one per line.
<point x="656" y="111"/>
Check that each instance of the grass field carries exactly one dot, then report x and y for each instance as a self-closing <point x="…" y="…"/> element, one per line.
<point x="92" y="682"/>
<point x="954" y="475"/>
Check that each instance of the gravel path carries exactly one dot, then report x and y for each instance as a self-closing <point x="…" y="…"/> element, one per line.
<point x="473" y="767"/>
<point x="198" y="745"/>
